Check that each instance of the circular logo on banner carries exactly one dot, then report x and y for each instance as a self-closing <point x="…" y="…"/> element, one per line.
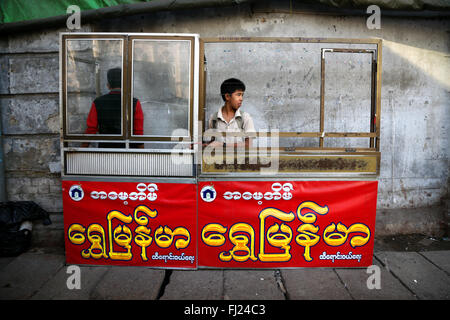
<point x="76" y="193"/>
<point x="208" y="193"/>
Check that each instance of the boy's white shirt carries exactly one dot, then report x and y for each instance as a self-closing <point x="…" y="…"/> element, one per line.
<point x="232" y="125"/>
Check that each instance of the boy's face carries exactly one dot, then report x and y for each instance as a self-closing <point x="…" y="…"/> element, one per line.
<point x="235" y="99"/>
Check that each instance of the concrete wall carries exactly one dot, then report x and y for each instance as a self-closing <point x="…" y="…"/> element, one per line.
<point x="30" y="118"/>
<point x="415" y="103"/>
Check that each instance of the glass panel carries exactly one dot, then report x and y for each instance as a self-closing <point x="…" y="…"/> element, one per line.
<point x="161" y="83"/>
<point x="346" y="142"/>
<point x="348" y="83"/>
<point x="88" y="62"/>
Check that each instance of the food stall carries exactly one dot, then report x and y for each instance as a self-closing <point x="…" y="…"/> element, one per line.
<point x="157" y="194"/>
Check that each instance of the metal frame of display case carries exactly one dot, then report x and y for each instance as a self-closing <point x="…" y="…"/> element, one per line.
<point x="155" y="162"/>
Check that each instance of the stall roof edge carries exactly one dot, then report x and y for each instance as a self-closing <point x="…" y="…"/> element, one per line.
<point x="52" y="13"/>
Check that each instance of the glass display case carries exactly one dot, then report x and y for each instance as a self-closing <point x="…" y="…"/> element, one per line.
<point x="148" y="179"/>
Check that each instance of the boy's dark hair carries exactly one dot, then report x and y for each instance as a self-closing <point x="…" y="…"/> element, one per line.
<point x="114" y="77"/>
<point x="230" y="86"/>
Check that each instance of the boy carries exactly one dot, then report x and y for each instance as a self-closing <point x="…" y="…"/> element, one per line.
<point x="229" y="118"/>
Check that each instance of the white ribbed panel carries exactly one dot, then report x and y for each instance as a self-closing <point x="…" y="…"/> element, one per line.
<point x="129" y="164"/>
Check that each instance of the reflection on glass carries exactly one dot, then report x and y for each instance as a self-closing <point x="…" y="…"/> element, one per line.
<point x="161" y="80"/>
<point x="88" y="62"/>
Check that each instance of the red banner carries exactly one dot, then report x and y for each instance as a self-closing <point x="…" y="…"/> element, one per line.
<point x="129" y="223"/>
<point x="220" y="224"/>
<point x="286" y="224"/>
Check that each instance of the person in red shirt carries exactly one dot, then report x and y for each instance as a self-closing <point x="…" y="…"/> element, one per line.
<point x="105" y="116"/>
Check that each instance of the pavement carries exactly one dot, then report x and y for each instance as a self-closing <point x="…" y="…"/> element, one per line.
<point x="421" y="271"/>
